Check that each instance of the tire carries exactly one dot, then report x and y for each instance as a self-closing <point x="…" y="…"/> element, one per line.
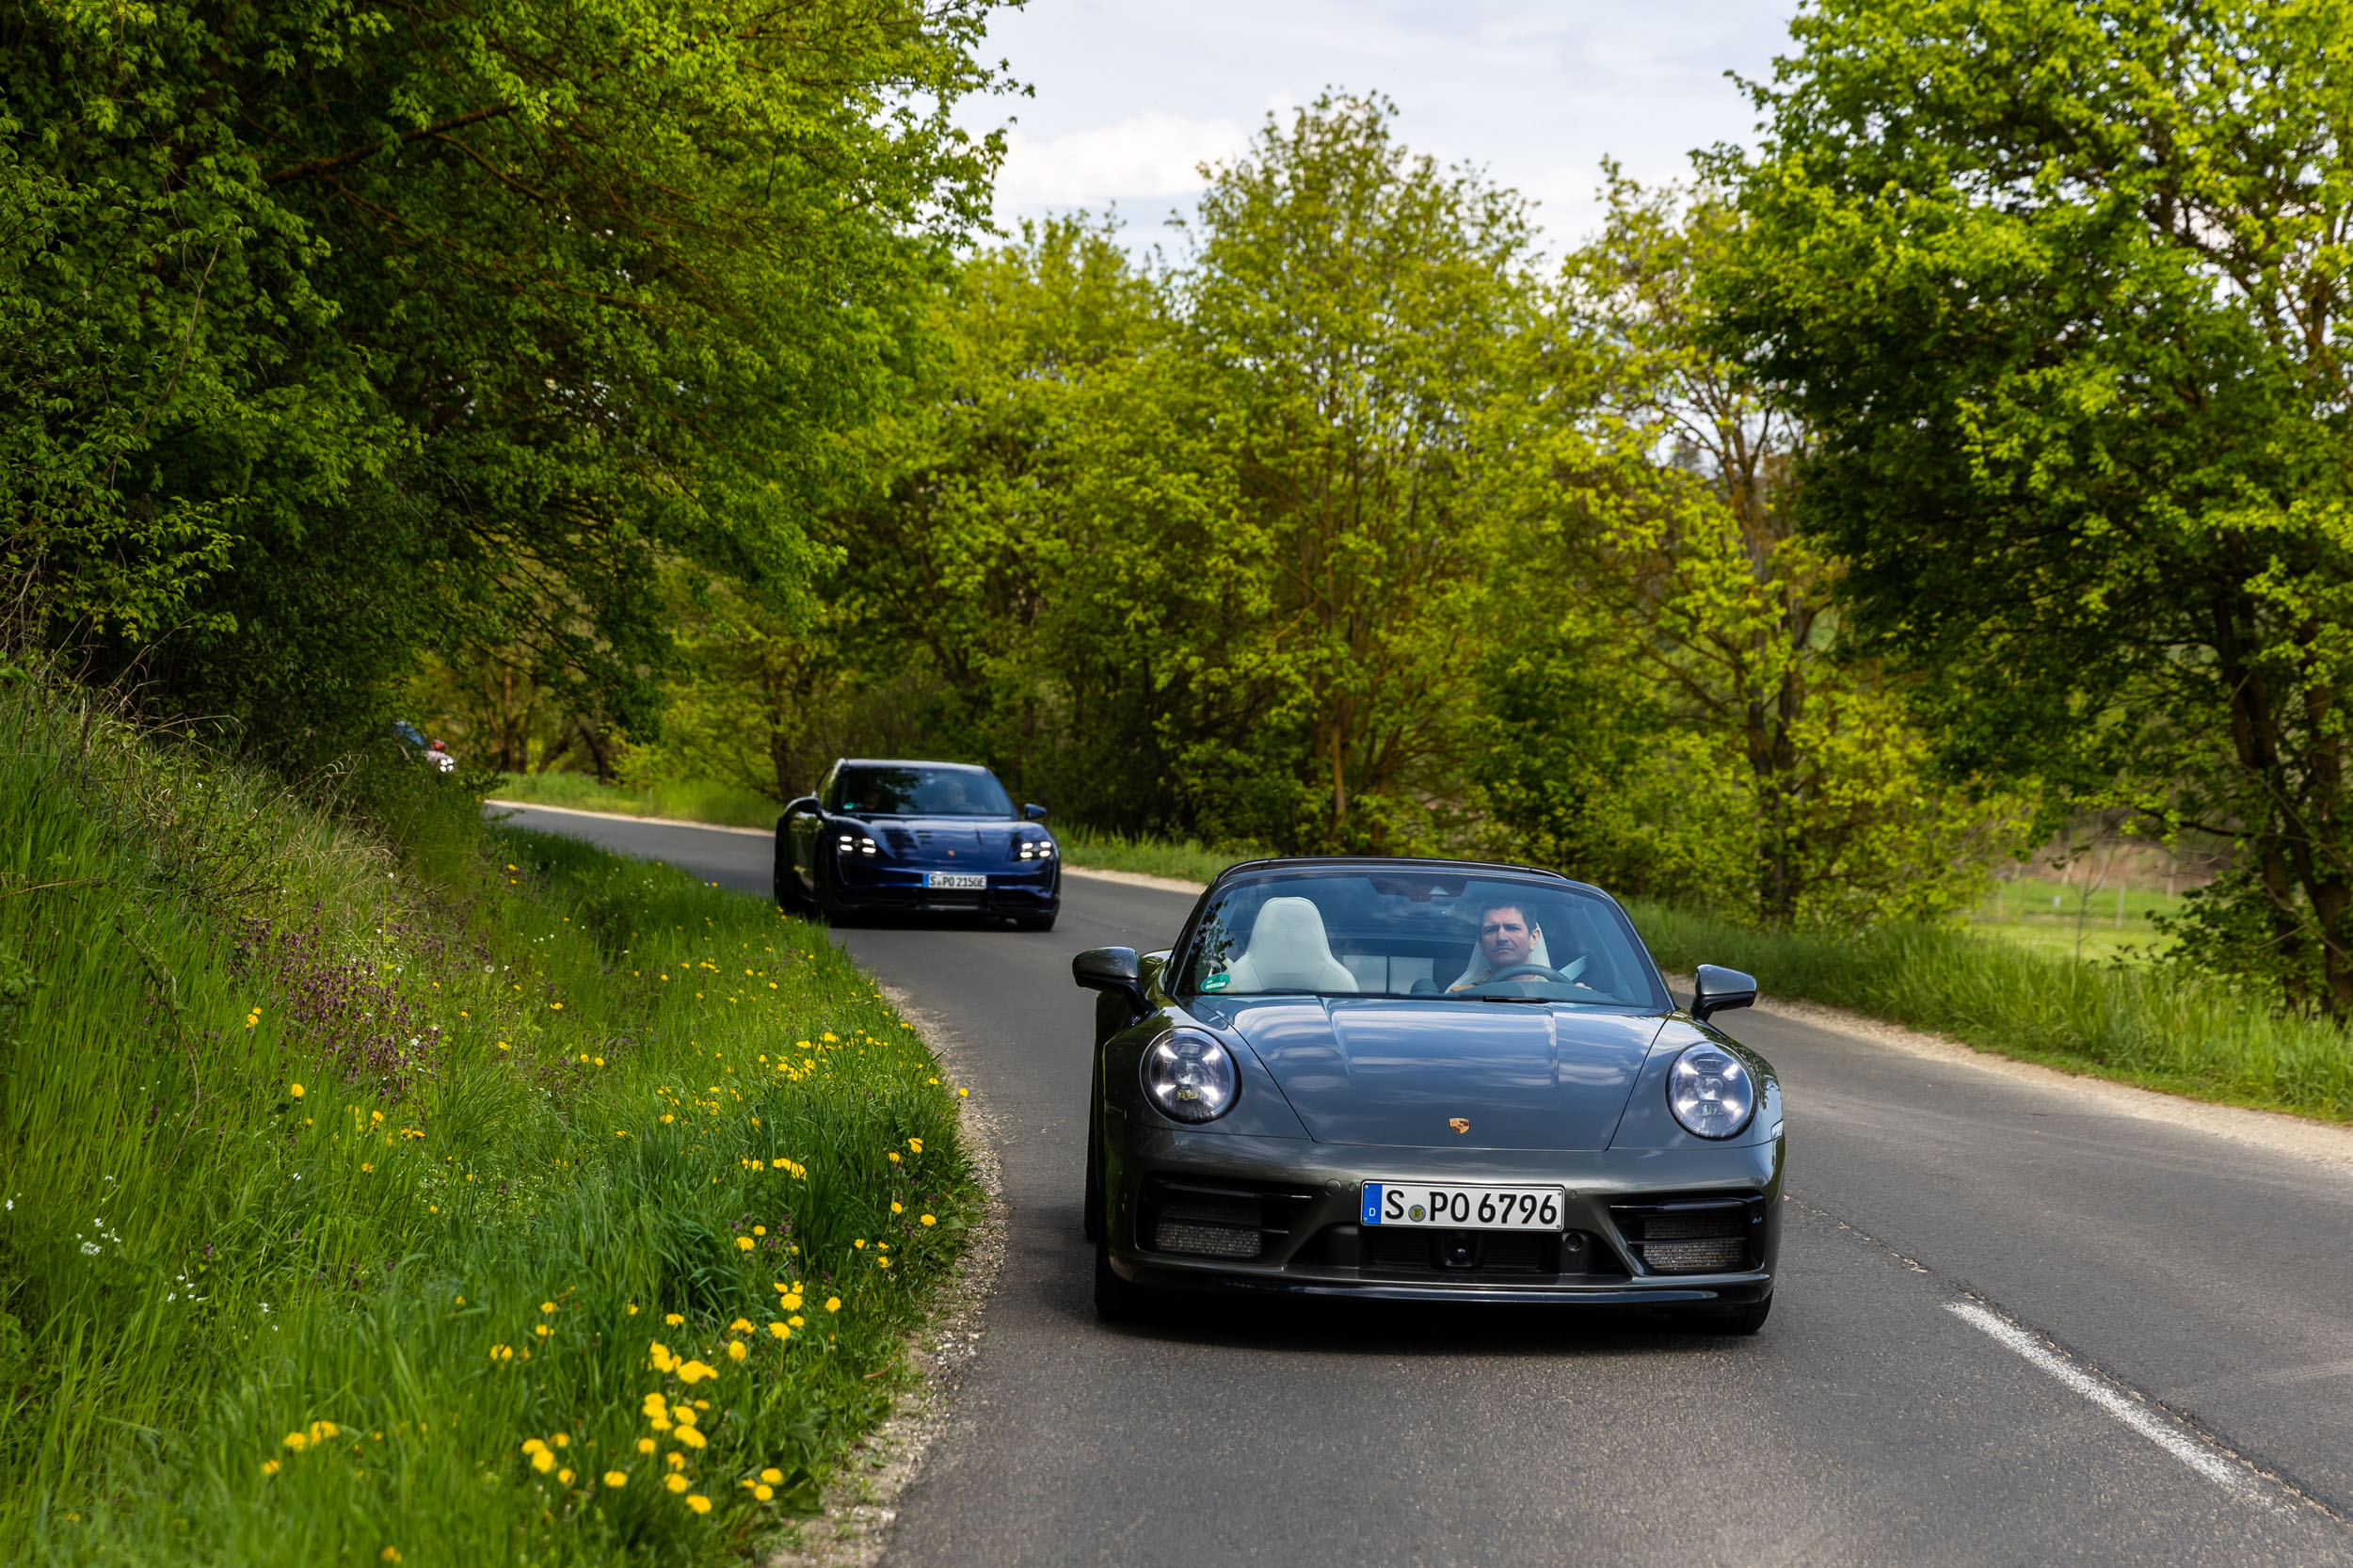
<point x="1117" y="1300"/>
<point x="1091" y="1205"/>
<point x="1746" y="1318"/>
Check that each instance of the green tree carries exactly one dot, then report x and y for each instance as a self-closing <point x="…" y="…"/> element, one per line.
<point x="2060" y="289"/>
<point x="1681" y="720"/>
<point x="1354" y="308"/>
<point x="375" y="326"/>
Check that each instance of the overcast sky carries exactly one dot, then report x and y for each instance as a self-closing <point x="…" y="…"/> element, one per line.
<point x="1132" y="95"/>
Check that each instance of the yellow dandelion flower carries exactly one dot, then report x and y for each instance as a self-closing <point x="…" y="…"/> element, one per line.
<point x="645" y="1445"/>
<point x="925" y="1219"/>
<point x="833" y="1303"/>
<point x="860" y="1243"/>
<point x="296" y="1442"/>
<point x="759" y="1230"/>
<point x="616" y="1478"/>
<point x="676" y="1482"/>
<point x="780" y="1331"/>
<point x="555" y="1007"/>
<point x="565" y="1476"/>
<point x="659" y="1423"/>
<point x="964" y="1092"/>
<point x="695" y="1371"/>
<point x="689" y="1436"/>
<point x="797" y="1321"/>
<point x="654" y="1404"/>
<point x="533" y="1446"/>
<point x="541" y="1329"/>
<point x="897" y="1208"/>
<point x="772" y="1474"/>
<point x="543" y="1462"/>
<point x="884" y="1261"/>
<point x="735" y="1350"/>
<point x="546" y="1306"/>
<point x="699" y="1503"/>
<point x="829" y="1038"/>
<point x="269" y="1466"/>
<point x="295" y="1089"/>
<point x="916" y="1144"/>
<point x="674" y="1319"/>
<point x="894" y="1157"/>
<point x="633" y="1309"/>
<point x="389" y="1553"/>
<point x="562" y="1440"/>
<point x="676" y="1461"/>
<point x="744" y="1244"/>
<point x="764" y="1492"/>
<point x="740" y="1326"/>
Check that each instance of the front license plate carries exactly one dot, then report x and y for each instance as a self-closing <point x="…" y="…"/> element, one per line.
<point x="1430" y="1206"/>
<point x="954" y="879"/>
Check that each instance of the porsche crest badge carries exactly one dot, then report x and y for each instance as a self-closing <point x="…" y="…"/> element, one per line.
<point x="1460" y="1123"/>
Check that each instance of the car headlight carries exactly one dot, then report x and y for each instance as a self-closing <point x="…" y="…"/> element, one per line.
<point x="1711" y="1092"/>
<point x="1189" y="1077"/>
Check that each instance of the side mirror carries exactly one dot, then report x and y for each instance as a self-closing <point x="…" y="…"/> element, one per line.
<point x="1715" y="989"/>
<point x="1112" y="970"/>
<point x="1034" y="812"/>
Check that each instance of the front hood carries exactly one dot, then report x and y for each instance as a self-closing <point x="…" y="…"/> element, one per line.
<point x="943" y="838"/>
<point x="1384" y="1070"/>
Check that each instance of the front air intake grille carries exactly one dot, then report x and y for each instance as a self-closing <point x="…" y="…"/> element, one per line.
<point x="1202" y="1219"/>
<point x="1712" y="1255"/>
<point x="1201" y="1241"/>
<point x="1699" y="1235"/>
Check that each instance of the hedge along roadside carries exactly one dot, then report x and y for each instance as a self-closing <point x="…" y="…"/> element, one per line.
<point x="367" y="1188"/>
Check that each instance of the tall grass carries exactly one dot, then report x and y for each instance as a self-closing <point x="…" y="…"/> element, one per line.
<point x="2145" y="1025"/>
<point x="342" y="1166"/>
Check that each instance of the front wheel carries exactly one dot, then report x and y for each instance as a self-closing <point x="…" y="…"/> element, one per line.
<point x="1091" y="1204"/>
<point x="1116" y="1300"/>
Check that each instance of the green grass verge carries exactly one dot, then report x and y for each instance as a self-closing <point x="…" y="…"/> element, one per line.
<point x="692" y="800"/>
<point x="2142" y="1026"/>
<point x="564" y="1126"/>
<point x="2055" y="917"/>
<point x="1184" y="860"/>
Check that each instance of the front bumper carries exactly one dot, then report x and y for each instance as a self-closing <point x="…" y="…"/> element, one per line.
<point x="1161" y="1186"/>
<point x="1022" y="892"/>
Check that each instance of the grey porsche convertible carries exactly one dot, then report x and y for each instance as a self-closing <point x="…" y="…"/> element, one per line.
<point x="1425" y="1080"/>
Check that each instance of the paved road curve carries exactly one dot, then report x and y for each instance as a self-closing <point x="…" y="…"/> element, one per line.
<point x="1881" y="1416"/>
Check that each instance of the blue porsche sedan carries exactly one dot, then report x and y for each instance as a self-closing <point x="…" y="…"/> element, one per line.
<point x="879" y="837"/>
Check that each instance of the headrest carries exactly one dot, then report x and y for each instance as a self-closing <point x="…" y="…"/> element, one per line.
<point x="1287" y="947"/>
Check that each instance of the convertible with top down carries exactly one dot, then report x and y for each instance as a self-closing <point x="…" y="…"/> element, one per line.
<point x="1425" y="1080"/>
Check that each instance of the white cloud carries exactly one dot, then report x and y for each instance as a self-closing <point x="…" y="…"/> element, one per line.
<point x="1145" y="155"/>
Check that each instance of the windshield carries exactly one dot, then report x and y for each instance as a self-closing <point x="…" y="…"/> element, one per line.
<point x="1416" y="934"/>
<point x="919" y="792"/>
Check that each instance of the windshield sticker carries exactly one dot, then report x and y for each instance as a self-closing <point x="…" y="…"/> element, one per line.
<point x="1217" y="983"/>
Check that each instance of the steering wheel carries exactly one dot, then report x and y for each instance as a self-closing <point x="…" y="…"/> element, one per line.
<point x="1527" y="971"/>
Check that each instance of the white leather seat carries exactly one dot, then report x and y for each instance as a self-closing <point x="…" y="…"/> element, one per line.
<point x="1289" y="951"/>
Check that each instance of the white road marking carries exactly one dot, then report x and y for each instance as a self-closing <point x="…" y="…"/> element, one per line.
<point x="2165" y="1435"/>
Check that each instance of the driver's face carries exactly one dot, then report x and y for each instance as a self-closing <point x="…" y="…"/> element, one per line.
<point x="1506" y="938"/>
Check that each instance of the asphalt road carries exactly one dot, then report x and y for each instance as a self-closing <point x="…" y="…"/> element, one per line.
<point x="2010" y="1329"/>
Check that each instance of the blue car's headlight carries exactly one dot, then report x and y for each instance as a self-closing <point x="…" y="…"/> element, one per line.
<point x="1710" y="1092"/>
<point x="1189" y="1077"/>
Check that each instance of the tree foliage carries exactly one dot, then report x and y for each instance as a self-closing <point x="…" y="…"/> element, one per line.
<point x="351" y="328"/>
<point x="2060" y="288"/>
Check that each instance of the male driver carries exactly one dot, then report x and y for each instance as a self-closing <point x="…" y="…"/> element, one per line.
<point x="1508" y="934"/>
